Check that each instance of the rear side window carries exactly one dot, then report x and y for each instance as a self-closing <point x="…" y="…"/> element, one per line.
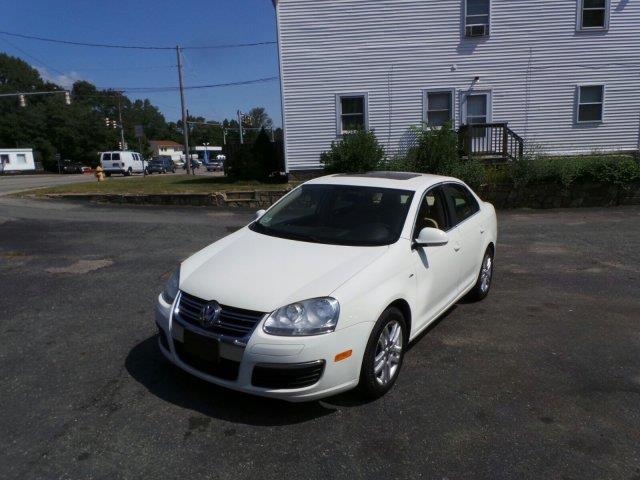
<point x="115" y="156"/>
<point x="106" y="156"/>
<point x="462" y="203"/>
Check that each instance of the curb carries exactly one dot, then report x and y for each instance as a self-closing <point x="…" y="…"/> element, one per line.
<point x="232" y="199"/>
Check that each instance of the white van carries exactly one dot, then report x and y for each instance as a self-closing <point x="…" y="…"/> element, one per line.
<point x="125" y="163"/>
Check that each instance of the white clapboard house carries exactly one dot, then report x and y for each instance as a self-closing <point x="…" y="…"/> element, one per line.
<point x="561" y="74"/>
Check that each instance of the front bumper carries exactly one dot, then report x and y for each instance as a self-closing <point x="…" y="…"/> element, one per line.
<point x="243" y="366"/>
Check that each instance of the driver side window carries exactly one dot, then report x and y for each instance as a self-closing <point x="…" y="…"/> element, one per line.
<point x="432" y="212"/>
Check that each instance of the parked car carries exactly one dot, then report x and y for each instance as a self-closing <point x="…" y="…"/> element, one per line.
<point x="324" y="291"/>
<point x="215" y="166"/>
<point x="161" y="165"/>
<point x="124" y="162"/>
<point x="75" y="167"/>
<point x="195" y="164"/>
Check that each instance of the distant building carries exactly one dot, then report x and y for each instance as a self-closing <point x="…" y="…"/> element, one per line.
<point x="16" y="160"/>
<point x="563" y="74"/>
<point x="167" y="148"/>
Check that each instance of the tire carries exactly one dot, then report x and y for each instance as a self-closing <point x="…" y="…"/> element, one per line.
<point x="388" y="342"/>
<point x="108" y="174"/>
<point x="173" y="170"/>
<point x="128" y="173"/>
<point x="483" y="284"/>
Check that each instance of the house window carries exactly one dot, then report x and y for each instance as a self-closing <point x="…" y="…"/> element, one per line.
<point x="4" y="160"/>
<point x="477" y="109"/>
<point x="352" y="113"/>
<point x="594" y="14"/>
<point x="21" y="158"/>
<point x="477" y="18"/>
<point x="590" y="103"/>
<point x="438" y="107"/>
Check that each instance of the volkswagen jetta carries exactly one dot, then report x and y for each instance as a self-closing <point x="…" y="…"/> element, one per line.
<point x="323" y="291"/>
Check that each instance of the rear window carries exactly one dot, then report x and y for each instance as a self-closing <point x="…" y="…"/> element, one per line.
<point x="115" y="156"/>
<point x="106" y="156"/>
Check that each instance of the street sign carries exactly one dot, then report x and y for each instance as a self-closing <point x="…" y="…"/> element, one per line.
<point x="139" y="131"/>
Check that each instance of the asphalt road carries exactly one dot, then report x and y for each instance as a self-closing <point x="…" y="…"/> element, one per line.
<point x="540" y="380"/>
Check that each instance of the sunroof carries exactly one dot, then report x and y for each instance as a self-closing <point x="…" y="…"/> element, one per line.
<point x="387" y="175"/>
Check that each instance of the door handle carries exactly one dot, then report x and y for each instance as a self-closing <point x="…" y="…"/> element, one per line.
<point x="456" y="246"/>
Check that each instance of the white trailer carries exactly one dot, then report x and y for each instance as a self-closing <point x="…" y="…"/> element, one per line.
<point x="15" y="160"/>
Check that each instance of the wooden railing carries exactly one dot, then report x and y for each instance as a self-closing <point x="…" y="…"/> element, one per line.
<point x="490" y="140"/>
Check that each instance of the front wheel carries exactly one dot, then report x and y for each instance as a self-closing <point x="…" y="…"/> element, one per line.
<point x="483" y="284"/>
<point x="128" y="173"/>
<point x="384" y="354"/>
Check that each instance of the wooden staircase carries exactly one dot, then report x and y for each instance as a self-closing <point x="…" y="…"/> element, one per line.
<point x="490" y="142"/>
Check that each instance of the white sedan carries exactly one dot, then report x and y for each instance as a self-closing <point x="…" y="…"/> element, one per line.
<point x="323" y="292"/>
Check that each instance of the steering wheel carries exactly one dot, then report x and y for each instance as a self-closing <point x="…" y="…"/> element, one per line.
<point x="431" y="221"/>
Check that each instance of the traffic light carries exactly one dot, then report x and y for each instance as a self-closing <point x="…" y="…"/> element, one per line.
<point x="22" y="101"/>
<point x="107" y="122"/>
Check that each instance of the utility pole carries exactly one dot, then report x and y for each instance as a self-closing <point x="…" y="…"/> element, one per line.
<point x="240" y="127"/>
<point x="185" y="125"/>
<point x="120" y="120"/>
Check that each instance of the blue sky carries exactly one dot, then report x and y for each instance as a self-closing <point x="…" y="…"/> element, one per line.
<point x="157" y="22"/>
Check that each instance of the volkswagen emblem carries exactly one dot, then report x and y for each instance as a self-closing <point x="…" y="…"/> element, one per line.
<point x="210" y="314"/>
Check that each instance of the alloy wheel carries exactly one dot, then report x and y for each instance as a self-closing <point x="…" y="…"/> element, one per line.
<point x="486" y="273"/>
<point x="388" y="353"/>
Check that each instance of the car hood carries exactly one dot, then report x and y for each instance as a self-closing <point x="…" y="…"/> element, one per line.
<point x="259" y="272"/>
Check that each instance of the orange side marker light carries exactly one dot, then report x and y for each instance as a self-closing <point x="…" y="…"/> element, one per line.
<point x="343" y="356"/>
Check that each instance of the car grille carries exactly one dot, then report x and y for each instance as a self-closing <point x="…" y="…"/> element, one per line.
<point x="234" y="322"/>
<point x="292" y="375"/>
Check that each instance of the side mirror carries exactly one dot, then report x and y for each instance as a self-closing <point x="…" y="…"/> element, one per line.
<point x="260" y="213"/>
<point x="431" y="237"/>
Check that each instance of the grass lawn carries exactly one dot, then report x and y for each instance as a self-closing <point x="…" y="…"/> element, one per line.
<point x="153" y="184"/>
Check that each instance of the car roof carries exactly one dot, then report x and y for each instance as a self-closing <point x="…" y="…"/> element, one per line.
<point x="398" y="180"/>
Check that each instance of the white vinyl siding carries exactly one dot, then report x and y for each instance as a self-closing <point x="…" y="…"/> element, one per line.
<point x="395" y="50"/>
<point x="593" y="14"/>
<point x="590" y="106"/>
<point x="438" y="107"/>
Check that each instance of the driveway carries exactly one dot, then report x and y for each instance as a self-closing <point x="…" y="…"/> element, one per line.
<point x="540" y="380"/>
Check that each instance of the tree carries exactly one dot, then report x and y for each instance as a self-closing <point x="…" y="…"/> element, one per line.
<point x="260" y="118"/>
<point x="77" y="131"/>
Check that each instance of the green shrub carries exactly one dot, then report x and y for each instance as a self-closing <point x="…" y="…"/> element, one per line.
<point x="436" y="152"/>
<point x="356" y="152"/>
<point x="564" y="171"/>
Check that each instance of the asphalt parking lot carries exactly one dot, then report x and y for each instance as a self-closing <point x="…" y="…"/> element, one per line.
<point x="541" y="380"/>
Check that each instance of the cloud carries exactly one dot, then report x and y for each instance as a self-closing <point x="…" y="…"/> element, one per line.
<point x="64" y="80"/>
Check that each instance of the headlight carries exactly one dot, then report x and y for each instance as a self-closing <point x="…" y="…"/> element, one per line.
<point x="309" y="317"/>
<point x="171" y="289"/>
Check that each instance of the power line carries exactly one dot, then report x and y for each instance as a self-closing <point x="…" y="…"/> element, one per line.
<point x="192" y="87"/>
<point x="32" y="57"/>
<point x="133" y="47"/>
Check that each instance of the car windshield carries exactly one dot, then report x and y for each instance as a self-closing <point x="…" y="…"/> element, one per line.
<point x="339" y="215"/>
